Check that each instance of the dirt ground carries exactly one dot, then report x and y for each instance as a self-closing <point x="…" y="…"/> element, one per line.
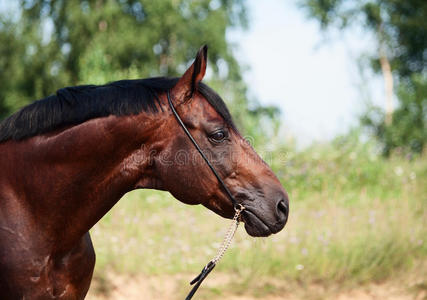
<point x="176" y="286"/>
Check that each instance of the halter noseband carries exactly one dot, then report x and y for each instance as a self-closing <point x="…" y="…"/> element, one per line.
<point x="237" y="207"/>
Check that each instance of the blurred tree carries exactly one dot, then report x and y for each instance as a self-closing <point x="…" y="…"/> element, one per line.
<point x="49" y="44"/>
<point x="400" y="29"/>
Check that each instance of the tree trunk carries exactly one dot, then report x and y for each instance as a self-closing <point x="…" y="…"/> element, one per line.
<point x="388" y="86"/>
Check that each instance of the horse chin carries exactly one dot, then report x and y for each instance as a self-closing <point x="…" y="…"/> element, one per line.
<point x="255" y="226"/>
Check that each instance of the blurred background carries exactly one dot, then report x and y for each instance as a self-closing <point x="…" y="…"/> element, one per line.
<point x="331" y="93"/>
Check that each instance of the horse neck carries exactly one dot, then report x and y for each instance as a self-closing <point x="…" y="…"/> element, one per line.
<point x="68" y="180"/>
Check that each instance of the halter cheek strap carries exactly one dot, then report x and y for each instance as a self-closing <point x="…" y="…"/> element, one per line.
<point x="227" y="191"/>
<point x="237" y="207"/>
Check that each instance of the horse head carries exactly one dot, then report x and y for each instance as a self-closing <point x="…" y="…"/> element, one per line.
<point x="187" y="176"/>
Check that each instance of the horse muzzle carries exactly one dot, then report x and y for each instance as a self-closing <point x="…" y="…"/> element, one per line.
<point x="261" y="222"/>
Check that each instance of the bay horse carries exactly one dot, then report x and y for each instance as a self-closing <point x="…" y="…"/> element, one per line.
<point x="65" y="160"/>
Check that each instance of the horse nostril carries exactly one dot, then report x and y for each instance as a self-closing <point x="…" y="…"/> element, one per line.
<point x="282" y="210"/>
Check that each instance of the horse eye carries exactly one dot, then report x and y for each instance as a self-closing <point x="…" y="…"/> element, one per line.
<point x="218" y="136"/>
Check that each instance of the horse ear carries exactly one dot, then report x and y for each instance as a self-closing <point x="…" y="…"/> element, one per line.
<point x="188" y="82"/>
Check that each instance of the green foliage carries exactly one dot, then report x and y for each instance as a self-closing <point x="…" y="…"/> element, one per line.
<point x="347" y="165"/>
<point x="400" y="28"/>
<point x="46" y="45"/>
<point x="408" y="132"/>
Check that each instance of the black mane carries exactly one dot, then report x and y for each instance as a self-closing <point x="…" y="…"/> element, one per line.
<point x="77" y="104"/>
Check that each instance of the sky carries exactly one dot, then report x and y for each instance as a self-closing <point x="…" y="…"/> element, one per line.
<point x="312" y="76"/>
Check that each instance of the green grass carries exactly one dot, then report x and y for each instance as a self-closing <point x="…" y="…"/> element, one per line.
<point x="355" y="218"/>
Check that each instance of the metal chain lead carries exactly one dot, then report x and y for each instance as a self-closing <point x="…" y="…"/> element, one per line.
<point x="224" y="246"/>
<point x="229" y="235"/>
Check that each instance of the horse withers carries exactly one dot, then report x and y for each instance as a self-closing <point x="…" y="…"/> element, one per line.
<point x="67" y="159"/>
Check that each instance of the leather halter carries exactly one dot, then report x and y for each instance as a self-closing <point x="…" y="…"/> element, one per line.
<point x="237" y="207"/>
